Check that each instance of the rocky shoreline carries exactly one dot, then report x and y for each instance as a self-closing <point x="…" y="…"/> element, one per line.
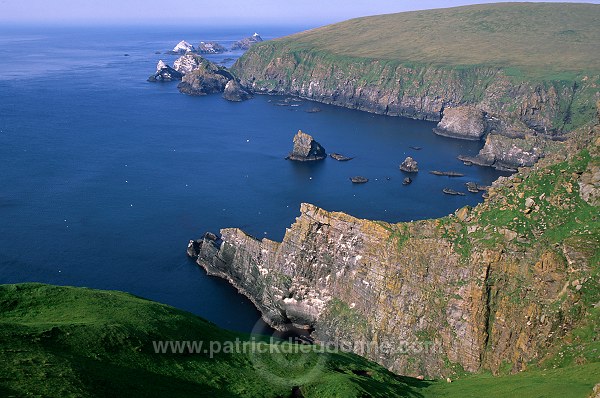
<point x="434" y="282"/>
<point x="525" y="116"/>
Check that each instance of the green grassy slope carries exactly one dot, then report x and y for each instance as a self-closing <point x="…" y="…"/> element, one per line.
<point x="536" y="38"/>
<point x="65" y="341"/>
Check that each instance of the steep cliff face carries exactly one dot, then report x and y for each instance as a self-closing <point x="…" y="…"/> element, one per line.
<point x="370" y="64"/>
<point x="488" y="287"/>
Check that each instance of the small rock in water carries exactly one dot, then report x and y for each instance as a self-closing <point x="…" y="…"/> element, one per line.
<point x="472" y="187"/>
<point x="359" y="179"/>
<point x="406" y="181"/>
<point x="409" y="165"/>
<point x="306" y="148"/>
<point x="449" y="191"/>
<point x="446" y="173"/>
<point x="416" y="148"/>
<point x="339" y="157"/>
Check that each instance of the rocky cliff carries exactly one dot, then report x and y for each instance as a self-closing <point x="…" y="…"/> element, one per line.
<point x="499" y="93"/>
<point x="491" y="287"/>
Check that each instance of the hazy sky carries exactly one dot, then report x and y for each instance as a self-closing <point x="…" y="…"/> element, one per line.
<point x="302" y="12"/>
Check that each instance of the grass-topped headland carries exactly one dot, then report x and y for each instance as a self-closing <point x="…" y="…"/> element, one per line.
<point x="554" y="41"/>
<point x="532" y="66"/>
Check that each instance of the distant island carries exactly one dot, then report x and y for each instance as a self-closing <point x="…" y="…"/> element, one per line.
<point x="213" y="47"/>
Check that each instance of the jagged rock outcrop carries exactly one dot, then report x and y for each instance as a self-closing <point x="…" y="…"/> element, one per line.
<point x="505" y="153"/>
<point x="205" y="78"/>
<point x="187" y="63"/>
<point x="235" y="92"/>
<point x="426" y="296"/>
<point x="164" y="73"/>
<point x="463" y="122"/>
<point x="306" y="148"/>
<point x="589" y="183"/>
<point x="182" y="47"/>
<point x="247" y="42"/>
<point x="409" y="165"/>
<point x="211" y="47"/>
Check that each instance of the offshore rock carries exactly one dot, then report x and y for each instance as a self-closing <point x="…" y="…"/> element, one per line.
<point x="339" y="157"/>
<point x="246" y="43"/>
<point x="164" y="73"/>
<point x="463" y="122"/>
<point x="306" y="148"/>
<point x="446" y="173"/>
<point x="409" y="165"/>
<point x="235" y="92"/>
<point x="181" y="48"/>
<point x="211" y="47"/>
<point x="450" y="191"/>
<point x="187" y="63"/>
<point x="359" y="180"/>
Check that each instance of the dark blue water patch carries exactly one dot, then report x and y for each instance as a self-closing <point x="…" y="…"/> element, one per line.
<point x="105" y="177"/>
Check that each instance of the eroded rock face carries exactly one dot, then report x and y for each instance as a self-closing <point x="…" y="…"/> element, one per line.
<point x="463" y="122"/>
<point x="164" y="73"/>
<point x="589" y="183"/>
<point x="235" y="92"/>
<point x="187" y="63"/>
<point x="205" y="78"/>
<point x="306" y="148"/>
<point x="357" y="286"/>
<point x="409" y="165"/>
<point x="505" y="153"/>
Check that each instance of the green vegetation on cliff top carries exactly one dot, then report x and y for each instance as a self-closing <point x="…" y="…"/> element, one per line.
<point x="541" y="40"/>
<point x="531" y="37"/>
<point x="67" y="342"/>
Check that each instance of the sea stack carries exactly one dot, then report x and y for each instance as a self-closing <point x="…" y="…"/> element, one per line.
<point x="164" y="73"/>
<point x="182" y="47"/>
<point x="246" y="43"/>
<point x="306" y="148"/>
<point x="409" y="165"/>
<point x="235" y="92"/>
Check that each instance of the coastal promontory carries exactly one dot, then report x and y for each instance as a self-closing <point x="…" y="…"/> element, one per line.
<point x="481" y="71"/>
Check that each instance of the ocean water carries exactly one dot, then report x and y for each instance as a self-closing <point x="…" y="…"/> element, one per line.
<point x="105" y="177"/>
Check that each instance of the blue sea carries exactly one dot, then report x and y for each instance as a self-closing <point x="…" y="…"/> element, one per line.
<point x="105" y="177"/>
